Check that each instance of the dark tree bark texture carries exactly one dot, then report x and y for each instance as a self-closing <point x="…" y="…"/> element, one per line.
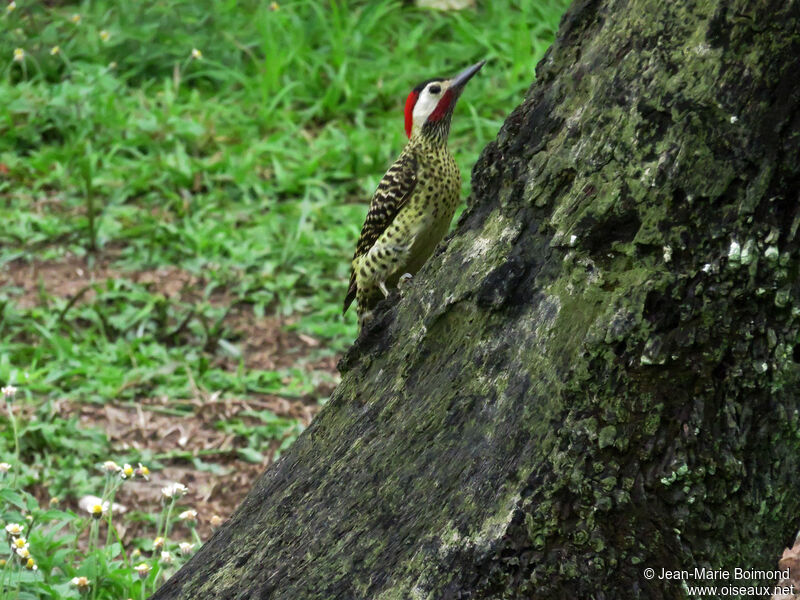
<point x="598" y="372"/>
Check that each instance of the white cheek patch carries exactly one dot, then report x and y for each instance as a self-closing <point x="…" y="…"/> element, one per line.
<point x="424" y="107"/>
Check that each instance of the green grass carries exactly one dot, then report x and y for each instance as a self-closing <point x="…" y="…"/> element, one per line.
<point x="249" y="169"/>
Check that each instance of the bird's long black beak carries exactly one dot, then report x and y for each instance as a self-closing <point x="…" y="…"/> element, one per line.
<point x="460" y="80"/>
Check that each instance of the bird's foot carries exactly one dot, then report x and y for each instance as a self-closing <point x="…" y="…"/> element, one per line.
<point x="404" y="282"/>
<point x="382" y="286"/>
<point x="364" y="319"/>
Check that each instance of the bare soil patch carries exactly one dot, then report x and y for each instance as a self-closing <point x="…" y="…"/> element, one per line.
<point x="75" y="275"/>
<point x="177" y="442"/>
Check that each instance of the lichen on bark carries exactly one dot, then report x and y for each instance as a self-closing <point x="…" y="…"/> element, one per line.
<point x="598" y="372"/>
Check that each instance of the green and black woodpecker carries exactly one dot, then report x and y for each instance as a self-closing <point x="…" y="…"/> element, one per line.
<point x="411" y="210"/>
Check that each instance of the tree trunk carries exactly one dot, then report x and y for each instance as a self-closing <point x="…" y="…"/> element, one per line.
<point x="598" y="372"/>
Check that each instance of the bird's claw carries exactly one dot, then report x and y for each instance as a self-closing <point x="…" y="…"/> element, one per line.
<point x="364" y="319"/>
<point x="382" y="286"/>
<point x="404" y="282"/>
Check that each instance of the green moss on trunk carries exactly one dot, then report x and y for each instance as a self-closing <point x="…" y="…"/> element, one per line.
<point x="599" y="373"/>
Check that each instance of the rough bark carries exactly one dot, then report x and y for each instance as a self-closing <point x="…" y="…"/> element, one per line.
<point x="598" y="373"/>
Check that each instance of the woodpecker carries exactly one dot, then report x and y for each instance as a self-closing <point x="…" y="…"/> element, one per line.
<point x="411" y="210"/>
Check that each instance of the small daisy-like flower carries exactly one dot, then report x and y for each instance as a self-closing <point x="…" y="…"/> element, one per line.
<point x="190" y="516"/>
<point x="82" y="583"/>
<point x="273" y="6"/>
<point x="11" y="6"/>
<point x="14" y="529"/>
<point x="9" y="390"/>
<point x="196" y="54"/>
<point x="4" y="467"/>
<point x="31" y="565"/>
<point x="111" y="467"/>
<point x="174" y="490"/>
<point x="22" y="550"/>
<point x="186" y="548"/>
<point x="88" y="504"/>
<point x="215" y="521"/>
<point x="166" y="557"/>
<point x="55" y="50"/>
<point x="126" y="472"/>
<point x="98" y="509"/>
<point x="136" y="553"/>
<point x="76" y="18"/>
<point x="158" y="543"/>
<point x="19" y="542"/>
<point x="54" y="501"/>
<point x="104" y="35"/>
<point x="143" y="569"/>
<point x="142" y="472"/>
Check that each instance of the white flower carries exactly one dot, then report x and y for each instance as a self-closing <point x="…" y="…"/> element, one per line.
<point x="190" y="516"/>
<point x="9" y="390"/>
<point x="11" y="6"/>
<point x="166" y="557"/>
<point x="196" y="54"/>
<point x="111" y="467"/>
<point x="23" y="553"/>
<point x="97" y="509"/>
<point x="174" y="490"/>
<point x="14" y="529"/>
<point x="19" y="542"/>
<point x="88" y="503"/>
<point x="55" y="50"/>
<point x="80" y="582"/>
<point x="158" y="543"/>
<point x="142" y="569"/>
<point x="185" y="548"/>
<point x="143" y="472"/>
<point x="4" y="467"/>
<point x="104" y="35"/>
<point x="126" y="472"/>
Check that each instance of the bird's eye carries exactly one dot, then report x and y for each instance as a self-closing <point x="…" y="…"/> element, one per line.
<point x="435" y="89"/>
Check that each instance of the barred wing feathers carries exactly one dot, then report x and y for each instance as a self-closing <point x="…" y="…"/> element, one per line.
<point x="393" y="192"/>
